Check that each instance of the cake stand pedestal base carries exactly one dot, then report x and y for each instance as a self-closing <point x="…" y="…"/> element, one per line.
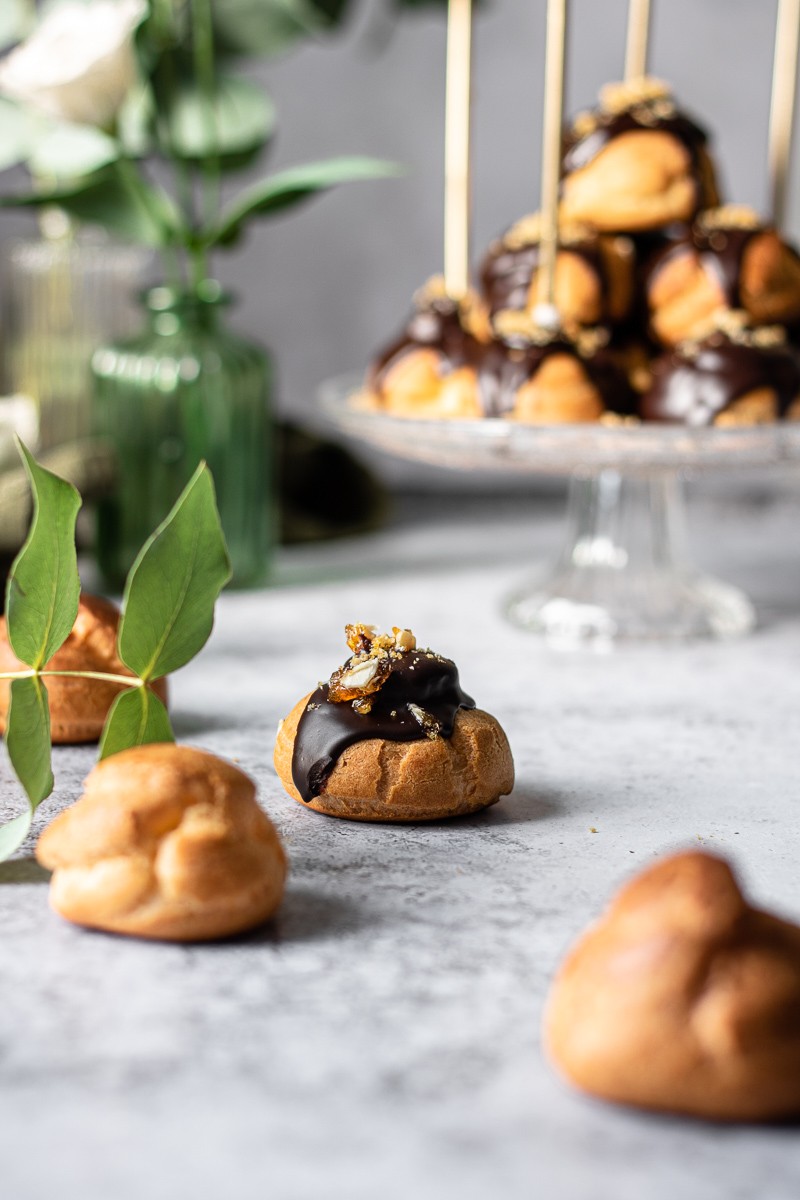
<point x="622" y="574"/>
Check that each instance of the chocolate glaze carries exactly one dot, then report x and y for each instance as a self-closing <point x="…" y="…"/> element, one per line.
<point x="721" y="252"/>
<point x="506" y="274"/>
<point x="507" y="365"/>
<point x="695" y="390"/>
<point x="579" y="151"/>
<point x="436" y="326"/>
<point x="326" y="729"/>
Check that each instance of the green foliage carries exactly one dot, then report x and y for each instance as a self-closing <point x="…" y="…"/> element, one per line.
<point x="269" y="27"/>
<point x="291" y="187"/>
<point x="43" y="587"/>
<point x="28" y="743"/>
<point x="137" y="717"/>
<point x="169" y="612"/>
<point x="28" y="737"/>
<point x="118" y="198"/>
<point x="237" y="119"/>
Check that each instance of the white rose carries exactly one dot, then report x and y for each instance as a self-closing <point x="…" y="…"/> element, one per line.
<point x="78" y="64"/>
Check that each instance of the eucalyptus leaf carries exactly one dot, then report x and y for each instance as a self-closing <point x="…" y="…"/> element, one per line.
<point x="43" y="585"/>
<point x="293" y="186"/>
<point x="14" y="832"/>
<point x="117" y="198"/>
<point x="136" y="718"/>
<point x="239" y="119"/>
<point x="28" y="743"/>
<point x="168" y="609"/>
<point x="28" y="737"/>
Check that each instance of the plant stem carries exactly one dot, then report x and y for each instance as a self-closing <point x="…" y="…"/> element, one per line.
<point x="203" y="56"/>
<point x="103" y="676"/>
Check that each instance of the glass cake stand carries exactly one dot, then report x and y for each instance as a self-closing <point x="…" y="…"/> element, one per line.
<point x="622" y="573"/>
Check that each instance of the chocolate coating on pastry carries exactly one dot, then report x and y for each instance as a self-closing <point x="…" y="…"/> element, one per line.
<point x="506" y="272"/>
<point x="580" y="150"/>
<point x="436" y="325"/>
<point x="507" y="365"/>
<point x="695" y="383"/>
<point x="720" y="251"/>
<point x="427" y="681"/>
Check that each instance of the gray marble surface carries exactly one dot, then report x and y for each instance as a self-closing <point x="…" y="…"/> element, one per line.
<point x="381" y="1037"/>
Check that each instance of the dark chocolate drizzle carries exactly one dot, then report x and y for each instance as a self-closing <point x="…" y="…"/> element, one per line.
<point x="693" y="389"/>
<point x="720" y="252"/>
<point x="579" y="151"/>
<point x="437" y="326"/>
<point x="506" y="273"/>
<point x="326" y="729"/>
<point x="507" y="365"/>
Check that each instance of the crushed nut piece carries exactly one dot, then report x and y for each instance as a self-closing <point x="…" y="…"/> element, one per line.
<point x="359" y="637"/>
<point x="404" y="639"/>
<point x="728" y="216"/>
<point x="632" y="93"/>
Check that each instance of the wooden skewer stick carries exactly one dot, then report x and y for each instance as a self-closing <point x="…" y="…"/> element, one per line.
<point x="781" y="113"/>
<point x="638" y="39"/>
<point x="545" y="313"/>
<point x="457" y="148"/>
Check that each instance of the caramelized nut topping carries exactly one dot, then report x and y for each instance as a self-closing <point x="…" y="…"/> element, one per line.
<point x="728" y="216"/>
<point x="366" y="672"/>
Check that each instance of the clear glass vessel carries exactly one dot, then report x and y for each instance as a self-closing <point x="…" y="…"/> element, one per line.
<point x="183" y="390"/>
<point x="64" y="294"/>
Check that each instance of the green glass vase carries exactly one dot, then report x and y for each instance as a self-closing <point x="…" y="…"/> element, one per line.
<point x="185" y="389"/>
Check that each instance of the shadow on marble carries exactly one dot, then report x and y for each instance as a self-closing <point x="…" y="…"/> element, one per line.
<point x="188" y="724"/>
<point x="309" y="915"/>
<point x="23" y="870"/>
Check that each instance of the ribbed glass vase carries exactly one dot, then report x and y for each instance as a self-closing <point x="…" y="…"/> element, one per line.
<point x="185" y="389"/>
<point x="64" y="293"/>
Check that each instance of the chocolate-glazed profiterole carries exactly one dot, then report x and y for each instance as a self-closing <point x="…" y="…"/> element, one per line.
<point x="636" y="162"/>
<point x="544" y="377"/>
<point x="430" y="371"/>
<point x="392" y="736"/>
<point x="593" y="277"/>
<point x="734" y="376"/>
<point x="728" y="258"/>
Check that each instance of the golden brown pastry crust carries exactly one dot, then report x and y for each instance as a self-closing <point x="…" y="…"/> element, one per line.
<point x="166" y="842"/>
<point x="685" y="298"/>
<point x="640" y="180"/>
<point x="378" y="780"/>
<point x="78" y="707"/>
<point x="560" y="392"/>
<point x="418" y="385"/>
<point x="683" y="998"/>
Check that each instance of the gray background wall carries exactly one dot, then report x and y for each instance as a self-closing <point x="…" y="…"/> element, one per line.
<point x="328" y="285"/>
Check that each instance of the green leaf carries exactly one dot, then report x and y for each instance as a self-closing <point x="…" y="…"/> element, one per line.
<point x="19" y="130"/>
<point x="43" y="586"/>
<point x="136" y="718"/>
<point x="14" y="832"/>
<point x="168" y="609"/>
<point x="28" y="743"/>
<point x="240" y="119"/>
<point x="16" y="19"/>
<point x="265" y="27"/>
<point x="66" y="151"/>
<point x="118" y="198"/>
<point x="293" y="186"/>
<point x="28" y="737"/>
